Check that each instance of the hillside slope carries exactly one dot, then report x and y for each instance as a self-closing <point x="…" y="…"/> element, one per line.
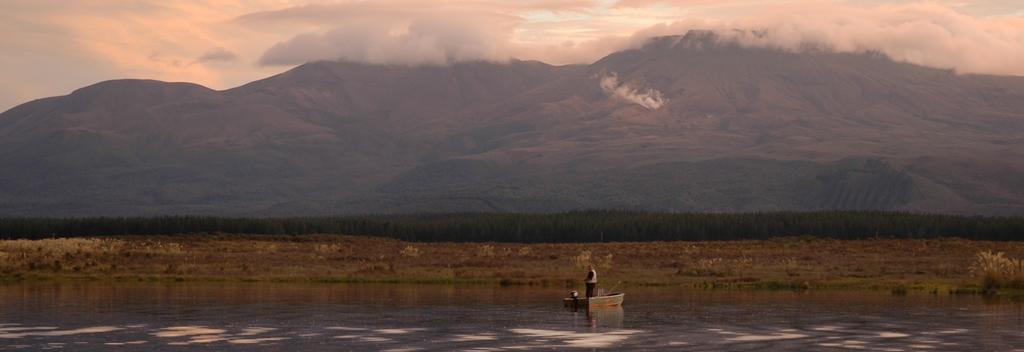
<point x="685" y="123"/>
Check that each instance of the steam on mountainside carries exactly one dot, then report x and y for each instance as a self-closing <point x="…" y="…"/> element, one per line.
<point x="685" y="123"/>
<point x="650" y="98"/>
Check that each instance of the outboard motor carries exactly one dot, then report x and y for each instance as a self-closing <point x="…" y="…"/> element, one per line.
<point x="575" y="299"/>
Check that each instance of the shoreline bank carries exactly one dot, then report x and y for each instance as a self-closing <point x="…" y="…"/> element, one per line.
<point x="940" y="266"/>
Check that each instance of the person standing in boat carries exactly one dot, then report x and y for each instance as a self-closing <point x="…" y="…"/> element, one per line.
<point x="591" y="281"/>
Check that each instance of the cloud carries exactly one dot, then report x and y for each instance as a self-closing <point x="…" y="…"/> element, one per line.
<point x="650" y="98"/>
<point x="405" y="31"/>
<point x="934" y="34"/>
<point x="647" y="3"/>
<point x="425" y="39"/>
<point x="217" y="54"/>
<point x="927" y="34"/>
<point x="399" y="32"/>
<point x="332" y="13"/>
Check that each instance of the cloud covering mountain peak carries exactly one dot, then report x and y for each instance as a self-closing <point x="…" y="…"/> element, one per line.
<point x="925" y="33"/>
<point x="425" y="39"/>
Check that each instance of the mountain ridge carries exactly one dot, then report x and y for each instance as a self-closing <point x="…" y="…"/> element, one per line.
<point x="684" y="123"/>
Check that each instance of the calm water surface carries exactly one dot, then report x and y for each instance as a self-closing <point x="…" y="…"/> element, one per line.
<point x="273" y="317"/>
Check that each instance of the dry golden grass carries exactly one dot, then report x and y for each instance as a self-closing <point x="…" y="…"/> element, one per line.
<point x="411" y="251"/>
<point x="998" y="271"/>
<point x="780" y="263"/>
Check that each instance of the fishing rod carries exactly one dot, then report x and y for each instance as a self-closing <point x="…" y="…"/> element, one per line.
<point x="612" y="290"/>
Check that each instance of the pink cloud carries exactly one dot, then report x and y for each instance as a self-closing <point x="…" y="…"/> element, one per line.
<point x="926" y="33"/>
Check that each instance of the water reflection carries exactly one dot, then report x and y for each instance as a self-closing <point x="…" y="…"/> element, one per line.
<point x="603" y="317"/>
<point x="403" y="318"/>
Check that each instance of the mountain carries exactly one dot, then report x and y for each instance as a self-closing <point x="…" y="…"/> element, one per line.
<point x="684" y="123"/>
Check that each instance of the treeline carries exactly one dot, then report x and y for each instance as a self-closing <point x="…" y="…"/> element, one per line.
<point x="582" y="226"/>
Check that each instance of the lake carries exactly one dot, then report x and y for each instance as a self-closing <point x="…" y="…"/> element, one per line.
<point x="332" y="317"/>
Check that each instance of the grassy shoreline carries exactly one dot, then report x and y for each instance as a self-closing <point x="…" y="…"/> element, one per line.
<point x="934" y="266"/>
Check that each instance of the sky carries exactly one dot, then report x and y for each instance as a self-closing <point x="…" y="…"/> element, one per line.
<point x="51" y="47"/>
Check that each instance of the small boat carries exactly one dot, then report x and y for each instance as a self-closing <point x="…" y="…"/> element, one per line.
<point x="609" y="300"/>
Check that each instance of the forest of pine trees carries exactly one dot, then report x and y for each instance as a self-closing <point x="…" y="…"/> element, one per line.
<point x="582" y="226"/>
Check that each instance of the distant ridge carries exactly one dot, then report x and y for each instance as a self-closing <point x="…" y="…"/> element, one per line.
<point x="684" y="123"/>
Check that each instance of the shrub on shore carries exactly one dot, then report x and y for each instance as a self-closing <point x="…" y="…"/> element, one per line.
<point x="998" y="271"/>
<point x="411" y="251"/>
